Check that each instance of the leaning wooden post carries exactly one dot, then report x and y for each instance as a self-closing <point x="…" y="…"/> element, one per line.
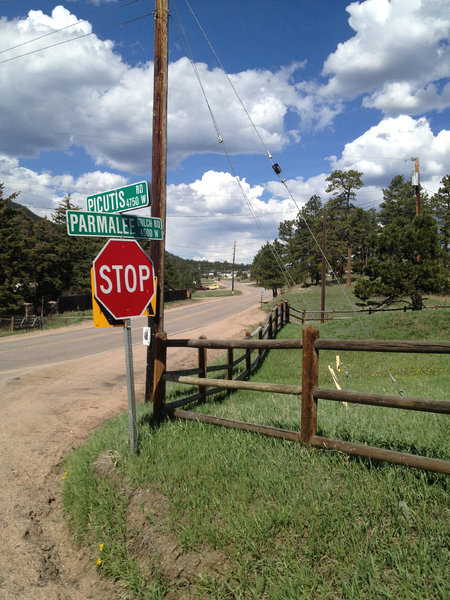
<point x="310" y="380"/>
<point x="159" y="384"/>
<point x="202" y="367"/>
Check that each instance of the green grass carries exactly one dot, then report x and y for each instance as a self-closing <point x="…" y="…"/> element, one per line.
<point x="55" y="322"/>
<point x="338" y="297"/>
<point x="67" y="318"/>
<point x="220" y="514"/>
<point x="215" y="293"/>
<point x="220" y="292"/>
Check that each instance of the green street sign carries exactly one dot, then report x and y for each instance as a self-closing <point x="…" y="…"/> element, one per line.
<point x="120" y="200"/>
<point x="98" y="224"/>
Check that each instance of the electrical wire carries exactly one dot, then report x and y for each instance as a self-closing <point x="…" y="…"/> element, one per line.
<point x="278" y="260"/>
<point x="83" y="35"/>
<point x="278" y="172"/>
<point x="228" y="156"/>
<point x="44" y="35"/>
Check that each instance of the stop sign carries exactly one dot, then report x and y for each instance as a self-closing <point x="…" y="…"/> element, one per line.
<point x="123" y="278"/>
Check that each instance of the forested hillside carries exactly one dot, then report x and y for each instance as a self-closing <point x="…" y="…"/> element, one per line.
<point x="40" y="262"/>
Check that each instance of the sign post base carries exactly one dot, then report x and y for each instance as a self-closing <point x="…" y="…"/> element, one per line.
<point x="130" y="388"/>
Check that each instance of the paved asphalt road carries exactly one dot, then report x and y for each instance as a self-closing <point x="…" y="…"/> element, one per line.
<point x="30" y="350"/>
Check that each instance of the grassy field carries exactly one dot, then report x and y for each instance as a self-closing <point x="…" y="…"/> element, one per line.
<point x="212" y="513"/>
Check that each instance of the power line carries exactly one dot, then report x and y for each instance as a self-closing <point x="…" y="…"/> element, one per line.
<point x="79" y="22"/>
<point x="221" y="141"/>
<point x="278" y="172"/>
<point x="83" y="35"/>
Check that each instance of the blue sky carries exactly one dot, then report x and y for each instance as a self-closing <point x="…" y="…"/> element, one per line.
<point x="321" y="84"/>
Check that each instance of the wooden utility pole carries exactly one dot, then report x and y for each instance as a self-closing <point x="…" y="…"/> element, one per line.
<point x="159" y="180"/>
<point x="349" y="245"/>
<point x="324" y="270"/>
<point x="232" y="272"/>
<point x="417" y="184"/>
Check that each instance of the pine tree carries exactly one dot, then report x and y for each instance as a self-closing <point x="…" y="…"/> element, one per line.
<point x="16" y="233"/>
<point x="344" y="184"/>
<point x="406" y="261"/>
<point x="266" y="269"/>
<point x="299" y="250"/>
<point x="78" y="252"/>
<point x="440" y="203"/>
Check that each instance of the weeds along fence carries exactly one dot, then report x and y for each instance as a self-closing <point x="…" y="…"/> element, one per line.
<point x="261" y="341"/>
<point x="304" y="315"/>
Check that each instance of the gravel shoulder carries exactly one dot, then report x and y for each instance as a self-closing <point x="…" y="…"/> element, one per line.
<point x="43" y="416"/>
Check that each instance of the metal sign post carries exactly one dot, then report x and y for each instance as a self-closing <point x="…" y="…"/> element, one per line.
<point x="130" y="387"/>
<point x="123" y="284"/>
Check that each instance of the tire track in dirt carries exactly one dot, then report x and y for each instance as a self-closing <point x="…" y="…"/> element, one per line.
<point x="43" y="416"/>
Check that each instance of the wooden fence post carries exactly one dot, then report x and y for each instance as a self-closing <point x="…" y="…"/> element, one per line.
<point x="202" y="366"/>
<point x="260" y="337"/>
<point x="287" y="313"/>
<point x="230" y="363"/>
<point x="276" y="319"/>
<point x="159" y="368"/>
<point x="310" y="380"/>
<point x="303" y="316"/>
<point x="270" y="328"/>
<point x="248" y="356"/>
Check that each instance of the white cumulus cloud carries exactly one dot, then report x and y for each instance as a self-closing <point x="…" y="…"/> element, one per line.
<point x="386" y="149"/>
<point x="208" y="215"/>
<point x="399" y="57"/>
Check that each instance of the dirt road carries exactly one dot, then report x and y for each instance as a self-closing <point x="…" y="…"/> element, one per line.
<point x="43" y="415"/>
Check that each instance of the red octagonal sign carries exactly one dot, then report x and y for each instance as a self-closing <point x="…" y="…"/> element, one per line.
<point x="124" y="278"/>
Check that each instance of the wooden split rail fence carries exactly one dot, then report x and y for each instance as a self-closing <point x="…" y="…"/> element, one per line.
<point x="331" y="315"/>
<point x="21" y="322"/>
<point x="261" y="340"/>
<point x="310" y="392"/>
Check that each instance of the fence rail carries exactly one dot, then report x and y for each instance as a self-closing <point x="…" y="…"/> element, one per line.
<point x="21" y="322"/>
<point x="310" y="392"/>
<point x="255" y="341"/>
<point x="333" y="315"/>
<point x="406" y="403"/>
